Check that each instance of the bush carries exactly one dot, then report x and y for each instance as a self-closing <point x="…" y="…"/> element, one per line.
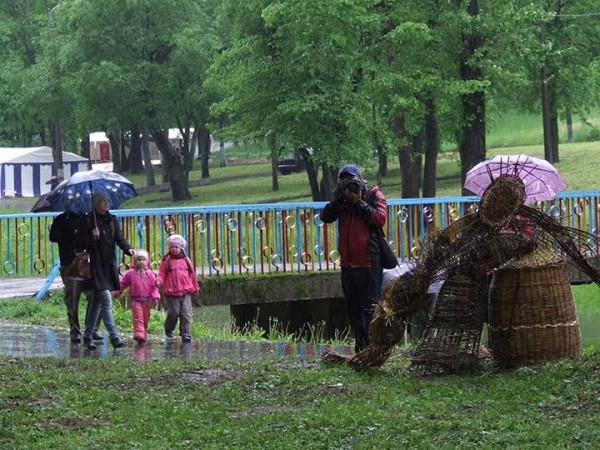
<point x="589" y="133"/>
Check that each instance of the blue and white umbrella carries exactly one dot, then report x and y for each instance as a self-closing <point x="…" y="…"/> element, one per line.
<point x="75" y="193"/>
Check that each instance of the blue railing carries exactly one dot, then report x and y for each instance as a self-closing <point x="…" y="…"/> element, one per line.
<point x="262" y="238"/>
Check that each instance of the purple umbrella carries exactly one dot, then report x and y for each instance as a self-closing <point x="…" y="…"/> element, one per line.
<point x="541" y="179"/>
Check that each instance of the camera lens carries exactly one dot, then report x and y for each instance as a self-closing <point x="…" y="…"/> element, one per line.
<point x="354" y="187"/>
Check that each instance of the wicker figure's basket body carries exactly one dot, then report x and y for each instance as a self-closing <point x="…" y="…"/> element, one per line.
<point x="532" y="314"/>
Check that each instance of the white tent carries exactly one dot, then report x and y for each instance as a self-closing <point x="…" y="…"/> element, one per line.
<point x="24" y="171"/>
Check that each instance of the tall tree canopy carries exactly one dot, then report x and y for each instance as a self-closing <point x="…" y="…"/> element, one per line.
<point x="329" y="80"/>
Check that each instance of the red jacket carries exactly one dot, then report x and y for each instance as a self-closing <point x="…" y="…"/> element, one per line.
<point x="142" y="285"/>
<point x="177" y="276"/>
<point x="357" y="224"/>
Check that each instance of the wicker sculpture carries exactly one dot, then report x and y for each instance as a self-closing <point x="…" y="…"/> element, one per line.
<point x="465" y="255"/>
<point x="532" y="313"/>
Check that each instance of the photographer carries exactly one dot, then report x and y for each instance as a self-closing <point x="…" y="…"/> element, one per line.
<point x="360" y="212"/>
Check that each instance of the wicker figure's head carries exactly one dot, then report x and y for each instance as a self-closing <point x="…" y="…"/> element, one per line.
<point x="502" y="200"/>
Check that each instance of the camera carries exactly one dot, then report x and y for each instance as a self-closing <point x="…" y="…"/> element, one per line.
<point x="353" y="186"/>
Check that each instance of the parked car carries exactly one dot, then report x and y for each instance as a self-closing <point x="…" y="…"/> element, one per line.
<point x="289" y="165"/>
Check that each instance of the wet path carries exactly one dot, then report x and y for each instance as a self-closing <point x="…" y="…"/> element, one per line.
<point x="33" y="340"/>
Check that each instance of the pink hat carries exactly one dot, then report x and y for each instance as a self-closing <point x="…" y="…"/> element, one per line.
<point x="178" y="240"/>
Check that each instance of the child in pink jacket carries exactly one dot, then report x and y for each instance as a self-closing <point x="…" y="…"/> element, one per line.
<point x="141" y="282"/>
<point x="177" y="277"/>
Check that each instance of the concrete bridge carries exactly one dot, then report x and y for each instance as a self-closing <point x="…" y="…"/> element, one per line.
<point x="301" y="302"/>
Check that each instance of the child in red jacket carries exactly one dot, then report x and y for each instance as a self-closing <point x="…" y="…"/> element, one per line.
<point x="141" y="282"/>
<point x="177" y="277"/>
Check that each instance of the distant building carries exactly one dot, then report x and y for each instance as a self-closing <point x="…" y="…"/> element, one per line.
<point x="101" y="151"/>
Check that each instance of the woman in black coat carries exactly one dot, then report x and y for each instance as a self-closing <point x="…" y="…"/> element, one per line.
<point x="103" y="232"/>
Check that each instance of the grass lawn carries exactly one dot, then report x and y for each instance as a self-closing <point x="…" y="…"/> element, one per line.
<point x="121" y="404"/>
<point x="282" y="404"/>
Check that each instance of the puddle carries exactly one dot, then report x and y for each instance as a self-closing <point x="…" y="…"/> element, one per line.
<point x="31" y="340"/>
<point x="37" y="340"/>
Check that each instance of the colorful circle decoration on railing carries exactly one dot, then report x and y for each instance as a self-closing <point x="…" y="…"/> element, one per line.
<point x="305" y="216"/>
<point x="402" y="215"/>
<point x="24" y="229"/>
<point x="292" y="253"/>
<point x="261" y="223"/>
<point x="232" y="225"/>
<point x="318" y="222"/>
<point x="201" y="225"/>
<point x="217" y="264"/>
<point x="290" y="221"/>
<point x="9" y="267"/>
<point x="415" y="250"/>
<point x="169" y="225"/>
<point x="247" y="262"/>
<point x="305" y="258"/>
<point x="39" y="265"/>
<point x="556" y="212"/>
<point x="453" y="213"/>
<point x="277" y="260"/>
<point x="428" y="214"/>
<point x="334" y="257"/>
<point x="122" y="269"/>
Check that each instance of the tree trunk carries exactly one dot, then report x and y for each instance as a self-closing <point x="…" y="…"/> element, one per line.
<point x="382" y="164"/>
<point x="57" y="149"/>
<point x="328" y="182"/>
<point x="85" y="146"/>
<point x="204" y="150"/>
<point x="43" y="140"/>
<point x="147" y="159"/>
<point x="272" y="144"/>
<point x="136" y="164"/>
<point x="554" y="123"/>
<point x="569" y="120"/>
<point x="115" y="153"/>
<point x="382" y="159"/>
<point x="123" y="150"/>
<point x="312" y="173"/>
<point x="409" y="171"/>
<point x="222" y="159"/>
<point x="173" y="164"/>
<point x="187" y="157"/>
<point x="432" y="145"/>
<point x="548" y="154"/>
<point x="472" y="137"/>
<point x="546" y="117"/>
<point x="410" y="163"/>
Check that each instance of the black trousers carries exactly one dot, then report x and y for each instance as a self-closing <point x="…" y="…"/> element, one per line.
<point x="362" y="290"/>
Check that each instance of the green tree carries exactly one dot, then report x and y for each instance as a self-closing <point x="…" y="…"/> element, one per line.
<point x="412" y="79"/>
<point x="295" y="73"/>
<point x="542" y="57"/>
<point x="139" y="65"/>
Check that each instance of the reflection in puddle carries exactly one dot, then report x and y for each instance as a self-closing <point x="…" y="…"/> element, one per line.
<point x="32" y="340"/>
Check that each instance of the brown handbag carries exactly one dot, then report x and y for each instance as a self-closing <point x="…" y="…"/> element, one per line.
<point x="80" y="269"/>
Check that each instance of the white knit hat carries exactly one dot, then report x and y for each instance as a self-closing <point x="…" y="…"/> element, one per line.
<point x="141" y="252"/>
